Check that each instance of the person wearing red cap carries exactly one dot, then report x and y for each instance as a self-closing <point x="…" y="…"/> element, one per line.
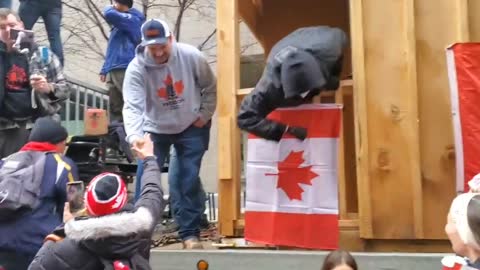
<point x="115" y="232"/>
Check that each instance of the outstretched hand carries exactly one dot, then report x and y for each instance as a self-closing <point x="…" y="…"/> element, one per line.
<point x="144" y="148"/>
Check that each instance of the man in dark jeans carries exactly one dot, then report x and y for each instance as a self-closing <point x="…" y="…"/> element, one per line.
<point x="51" y="13"/>
<point x="5" y="3"/>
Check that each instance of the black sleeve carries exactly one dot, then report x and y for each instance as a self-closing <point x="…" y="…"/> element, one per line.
<point x="254" y="109"/>
<point x="152" y="193"/>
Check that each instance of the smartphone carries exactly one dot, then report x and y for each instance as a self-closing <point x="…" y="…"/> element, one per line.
<point x="26" y="38"/>
<point x="75" y="195"/>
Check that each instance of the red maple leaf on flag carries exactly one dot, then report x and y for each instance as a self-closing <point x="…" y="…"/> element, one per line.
<point x="291" y="175"/>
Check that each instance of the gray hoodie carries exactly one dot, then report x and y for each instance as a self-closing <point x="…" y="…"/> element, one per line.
<point x="167" y="98"/>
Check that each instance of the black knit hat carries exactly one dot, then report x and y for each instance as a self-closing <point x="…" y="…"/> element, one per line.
<point x="48" y="130"/>
<point x="128" y="3"/>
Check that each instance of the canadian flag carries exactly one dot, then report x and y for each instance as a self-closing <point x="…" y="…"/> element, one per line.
<point x="463" y="63"/>
<point x="292" y="194"/>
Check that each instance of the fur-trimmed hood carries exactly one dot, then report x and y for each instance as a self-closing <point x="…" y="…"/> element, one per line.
<point x="112" y="235"/>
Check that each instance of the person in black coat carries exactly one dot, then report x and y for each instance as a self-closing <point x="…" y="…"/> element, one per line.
<point x="115" y="232"/>
<point x="299" y="66"/>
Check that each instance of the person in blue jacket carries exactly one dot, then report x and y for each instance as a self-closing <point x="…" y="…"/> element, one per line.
<point x="125" y="35"/>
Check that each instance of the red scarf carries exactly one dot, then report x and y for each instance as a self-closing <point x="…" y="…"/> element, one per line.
<point x="39" y="146"/>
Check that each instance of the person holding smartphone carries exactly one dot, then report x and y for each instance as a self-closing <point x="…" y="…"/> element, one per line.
<point x="115" y="232"/>
<point x="32" y="83"/>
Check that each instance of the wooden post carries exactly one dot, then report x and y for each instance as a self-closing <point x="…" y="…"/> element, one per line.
<point x="386" y="106"/>
<point x="228" y="54"/>
<point x="462" y="22"/>
<point x="361" y="134"/>
<point x="342" y="185"/>
<point x="412" y="107"/>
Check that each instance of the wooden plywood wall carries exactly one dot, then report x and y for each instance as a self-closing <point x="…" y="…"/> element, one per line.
<point x="404" y="139"/>
<point x="403" y="118"/>
<point x="271" y="20"/>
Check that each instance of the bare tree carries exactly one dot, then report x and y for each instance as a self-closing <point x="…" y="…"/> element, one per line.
<point x="86" y="31"/>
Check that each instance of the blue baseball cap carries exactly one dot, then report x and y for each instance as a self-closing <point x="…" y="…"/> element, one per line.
<point x="155" y="32"/>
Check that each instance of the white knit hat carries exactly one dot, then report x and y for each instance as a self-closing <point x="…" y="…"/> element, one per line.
<point x="458" y="214"/>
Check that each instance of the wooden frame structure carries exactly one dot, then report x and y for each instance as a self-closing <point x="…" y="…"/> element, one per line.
<point x="397" y="171"/>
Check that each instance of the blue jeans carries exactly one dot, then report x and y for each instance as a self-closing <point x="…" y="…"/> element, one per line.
<point x="187" y="197"/>
<point x="51" y="13"/>
<point x="5" y="3"/>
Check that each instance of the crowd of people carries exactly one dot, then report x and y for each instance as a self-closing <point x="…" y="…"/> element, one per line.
<point x="164" y="93"/>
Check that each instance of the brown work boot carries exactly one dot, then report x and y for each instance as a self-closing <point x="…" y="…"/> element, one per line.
<point x="192" y="243"/>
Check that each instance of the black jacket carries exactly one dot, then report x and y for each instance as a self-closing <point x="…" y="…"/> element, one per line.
<point x="326" y="44"/>
<point x="94" y="243"/>
<point x="17" y="102"/>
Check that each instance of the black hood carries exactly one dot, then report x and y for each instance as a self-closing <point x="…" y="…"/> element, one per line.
<point x="300" y="73"/>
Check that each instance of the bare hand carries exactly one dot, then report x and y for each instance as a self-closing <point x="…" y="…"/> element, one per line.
<point x="143" y="148"/>
<point x="67" y="215"/>
<point x="138" y="143"/>
<point x="103" y="78"/>
<point x="40" y="84"/>
<point x="199" y="123"/>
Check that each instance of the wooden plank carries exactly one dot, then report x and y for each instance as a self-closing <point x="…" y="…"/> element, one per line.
<point x="342" y="185"/>
<point x="243" y="92"/>
<point x="433" y="33"/>
<point x="347" y="86"/>
<point x="284" y="17"/>
<point x="388" y="98"/>
<point x="361" y="132"/>
<point x="349" y="151"/>
<point x="411" y="57"/>
<point x="228" y="53"/>
<point x="474" y="20"/>
<point x="462" y="20"/>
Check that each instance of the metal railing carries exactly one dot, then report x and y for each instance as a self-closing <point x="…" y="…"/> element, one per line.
<point x="82" y="96"/>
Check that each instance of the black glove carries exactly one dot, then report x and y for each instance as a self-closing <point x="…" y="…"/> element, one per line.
<point x="298" y="132"/>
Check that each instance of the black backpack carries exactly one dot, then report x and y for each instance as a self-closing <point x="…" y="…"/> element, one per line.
<point x="20" y="178"/>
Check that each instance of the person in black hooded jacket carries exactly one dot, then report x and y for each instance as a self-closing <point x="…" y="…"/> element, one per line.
<point x="299" y="66"/>
<point x="114" y="232"/>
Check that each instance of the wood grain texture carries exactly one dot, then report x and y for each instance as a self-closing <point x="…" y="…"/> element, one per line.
<point x="434" y="32"/>
<point x="361" y="120"/>
<point x="474" y="20"/>
<point x="228" y="40"/>
<point x="391" y="108"/>
<point x="276" y="18"/>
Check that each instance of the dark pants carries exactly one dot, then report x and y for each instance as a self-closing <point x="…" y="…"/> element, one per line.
<point x="51" y="13"/>
<point x="14" y="261"/>
<point x="187" y="197"/>
<point x="5" y="3"/>
<point x="115" y="93"/>
<point x="11" y="140"/>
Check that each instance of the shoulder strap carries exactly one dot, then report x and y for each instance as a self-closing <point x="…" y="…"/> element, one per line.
<point x="63" y="165"/>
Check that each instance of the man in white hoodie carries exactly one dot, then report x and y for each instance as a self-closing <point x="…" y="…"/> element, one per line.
<point x="170" y="92"/>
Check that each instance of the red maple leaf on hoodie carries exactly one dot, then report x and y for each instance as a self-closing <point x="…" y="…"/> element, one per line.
<point x="291" y="175"/>
<point x="171" y="89"/>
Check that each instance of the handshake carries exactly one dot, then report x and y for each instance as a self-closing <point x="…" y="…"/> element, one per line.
<point x="297" y="132"/>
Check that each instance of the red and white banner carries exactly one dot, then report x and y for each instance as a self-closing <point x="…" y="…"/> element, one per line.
<point x="292" y="190"/>
<point x="463" y="63"/>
